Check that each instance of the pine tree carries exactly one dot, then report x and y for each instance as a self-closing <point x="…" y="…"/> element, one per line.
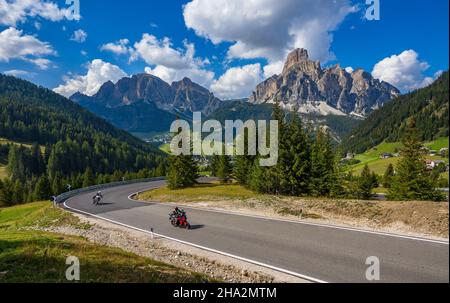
<point x="388" y="176"/>
<point x="325" y="175"/>
<point x="365" y="183"/>
<point x="6" y="194"/>
<point x="295" y="159"/>
<point x="18" y="193"/>
<point x="88" y="178"/>
<point x="58" y="184"/>
<point x="224" y="170"/>
<point x="412" y="181"/>
<point x="2" y="204"/>
<point x="43" y="190"/>
<point x="242" y="168"/>
<point x="243" y="164"/>
<point x="183" y="172"/>
<point x="268" y="179"/>
<point x="15" y="168"/>
<point x="215" y="159"/>
<point x="160" y="170"/>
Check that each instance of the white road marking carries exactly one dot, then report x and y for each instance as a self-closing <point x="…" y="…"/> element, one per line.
<point x="379" y="233"/>
<point x="305" y="277"/>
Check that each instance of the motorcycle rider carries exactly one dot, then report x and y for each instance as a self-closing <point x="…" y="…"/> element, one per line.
<point x="178" y="213"/>
<point x="96" y="199"/>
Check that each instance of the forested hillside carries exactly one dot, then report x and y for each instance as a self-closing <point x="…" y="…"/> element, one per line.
<point x="243" y="110"/>
<point x="68" y="144"/>
<point x="428" y="107"/>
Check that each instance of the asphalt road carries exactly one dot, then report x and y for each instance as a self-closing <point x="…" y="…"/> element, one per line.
<point x="323" y="253"/>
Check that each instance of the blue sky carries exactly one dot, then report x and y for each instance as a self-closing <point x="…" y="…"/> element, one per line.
<point x="226" y="45"/>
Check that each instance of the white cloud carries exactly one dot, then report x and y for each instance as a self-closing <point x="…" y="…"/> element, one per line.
<point x="17" y="73"/>
<point x="16" y="11"/>
<point x="274" y="68"/>
<point x="349" y="69"/>
<point x="119" y="48"/>
<point x="161" y="52"/>
<point x="269" y="28"/>
<point x="405" y="71"/>
<point x="238" y="82"/>
<point x="79" y="36"/>
<point x="200" y="76"/>
<point x="98" y="73"/>
<point x="164" y="60"/>
<point x="16" y="45"/>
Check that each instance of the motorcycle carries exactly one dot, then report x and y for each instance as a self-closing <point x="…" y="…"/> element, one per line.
<point x="179" y="220"/>
<point x="96" y="200"/>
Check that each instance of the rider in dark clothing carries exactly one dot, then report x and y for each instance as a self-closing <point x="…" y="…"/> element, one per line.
<point x="178" y="212"/>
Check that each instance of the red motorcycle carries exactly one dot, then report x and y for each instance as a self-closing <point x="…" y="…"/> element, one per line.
<point x="179" y="220"/>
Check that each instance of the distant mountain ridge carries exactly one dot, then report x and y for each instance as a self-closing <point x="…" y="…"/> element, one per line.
<point x="183" y="95"/>
<point x="305" y="87"/>
<point x="146" y="103"/>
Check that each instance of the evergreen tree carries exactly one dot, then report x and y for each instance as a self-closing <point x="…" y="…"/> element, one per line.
<point x="215" y="160"/>
<point x="160" y="170"/>
<point x="388" y="176"/>
<point x="88" y="178"/>
<point x="268" y="179"/>
<point x="183" y="172"/>
<point x="224" y="170"/>
<point x="43" y="190"/>
<point x="6" y="193"/>
<point x="18" y="193"/>
<point x="295" y="159"/>
<point x="412" y="181"/>
<point x="16" y="168"/>
<point x="58" y="184"/>
<point x="365" y="184"/>
<point x="325" y="175"/>
<point x="243" y="164"/>
<point x="242" y="168"/>
<point x="38" y="165"/>
<point x="2" y="204"/>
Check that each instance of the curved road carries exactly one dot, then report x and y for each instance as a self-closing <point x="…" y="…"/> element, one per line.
<point x="315" y="252"/>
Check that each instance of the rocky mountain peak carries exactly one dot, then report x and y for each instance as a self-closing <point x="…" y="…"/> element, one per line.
<point x="296" y="56"/>
<point x="298" y="61"/>
<point x="183" y="95"/>
<point x="306" y="87"/>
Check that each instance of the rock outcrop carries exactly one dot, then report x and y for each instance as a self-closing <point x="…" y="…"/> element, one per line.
<point x="185" y="95"/>
<point x="306" y="87"/>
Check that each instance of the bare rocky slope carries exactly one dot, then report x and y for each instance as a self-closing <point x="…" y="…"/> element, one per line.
<point x="306" y="87"/>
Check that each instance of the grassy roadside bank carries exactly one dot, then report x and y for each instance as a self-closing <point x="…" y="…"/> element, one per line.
<point x="29" y="255"/>
<point x="421" y="217"/>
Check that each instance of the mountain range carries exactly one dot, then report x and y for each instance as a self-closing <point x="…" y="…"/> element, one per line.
<point x="305" y="87"/>
<point x="145" y="103"/>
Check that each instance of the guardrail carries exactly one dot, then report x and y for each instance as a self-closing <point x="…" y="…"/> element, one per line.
<point x="67" y="195"/>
